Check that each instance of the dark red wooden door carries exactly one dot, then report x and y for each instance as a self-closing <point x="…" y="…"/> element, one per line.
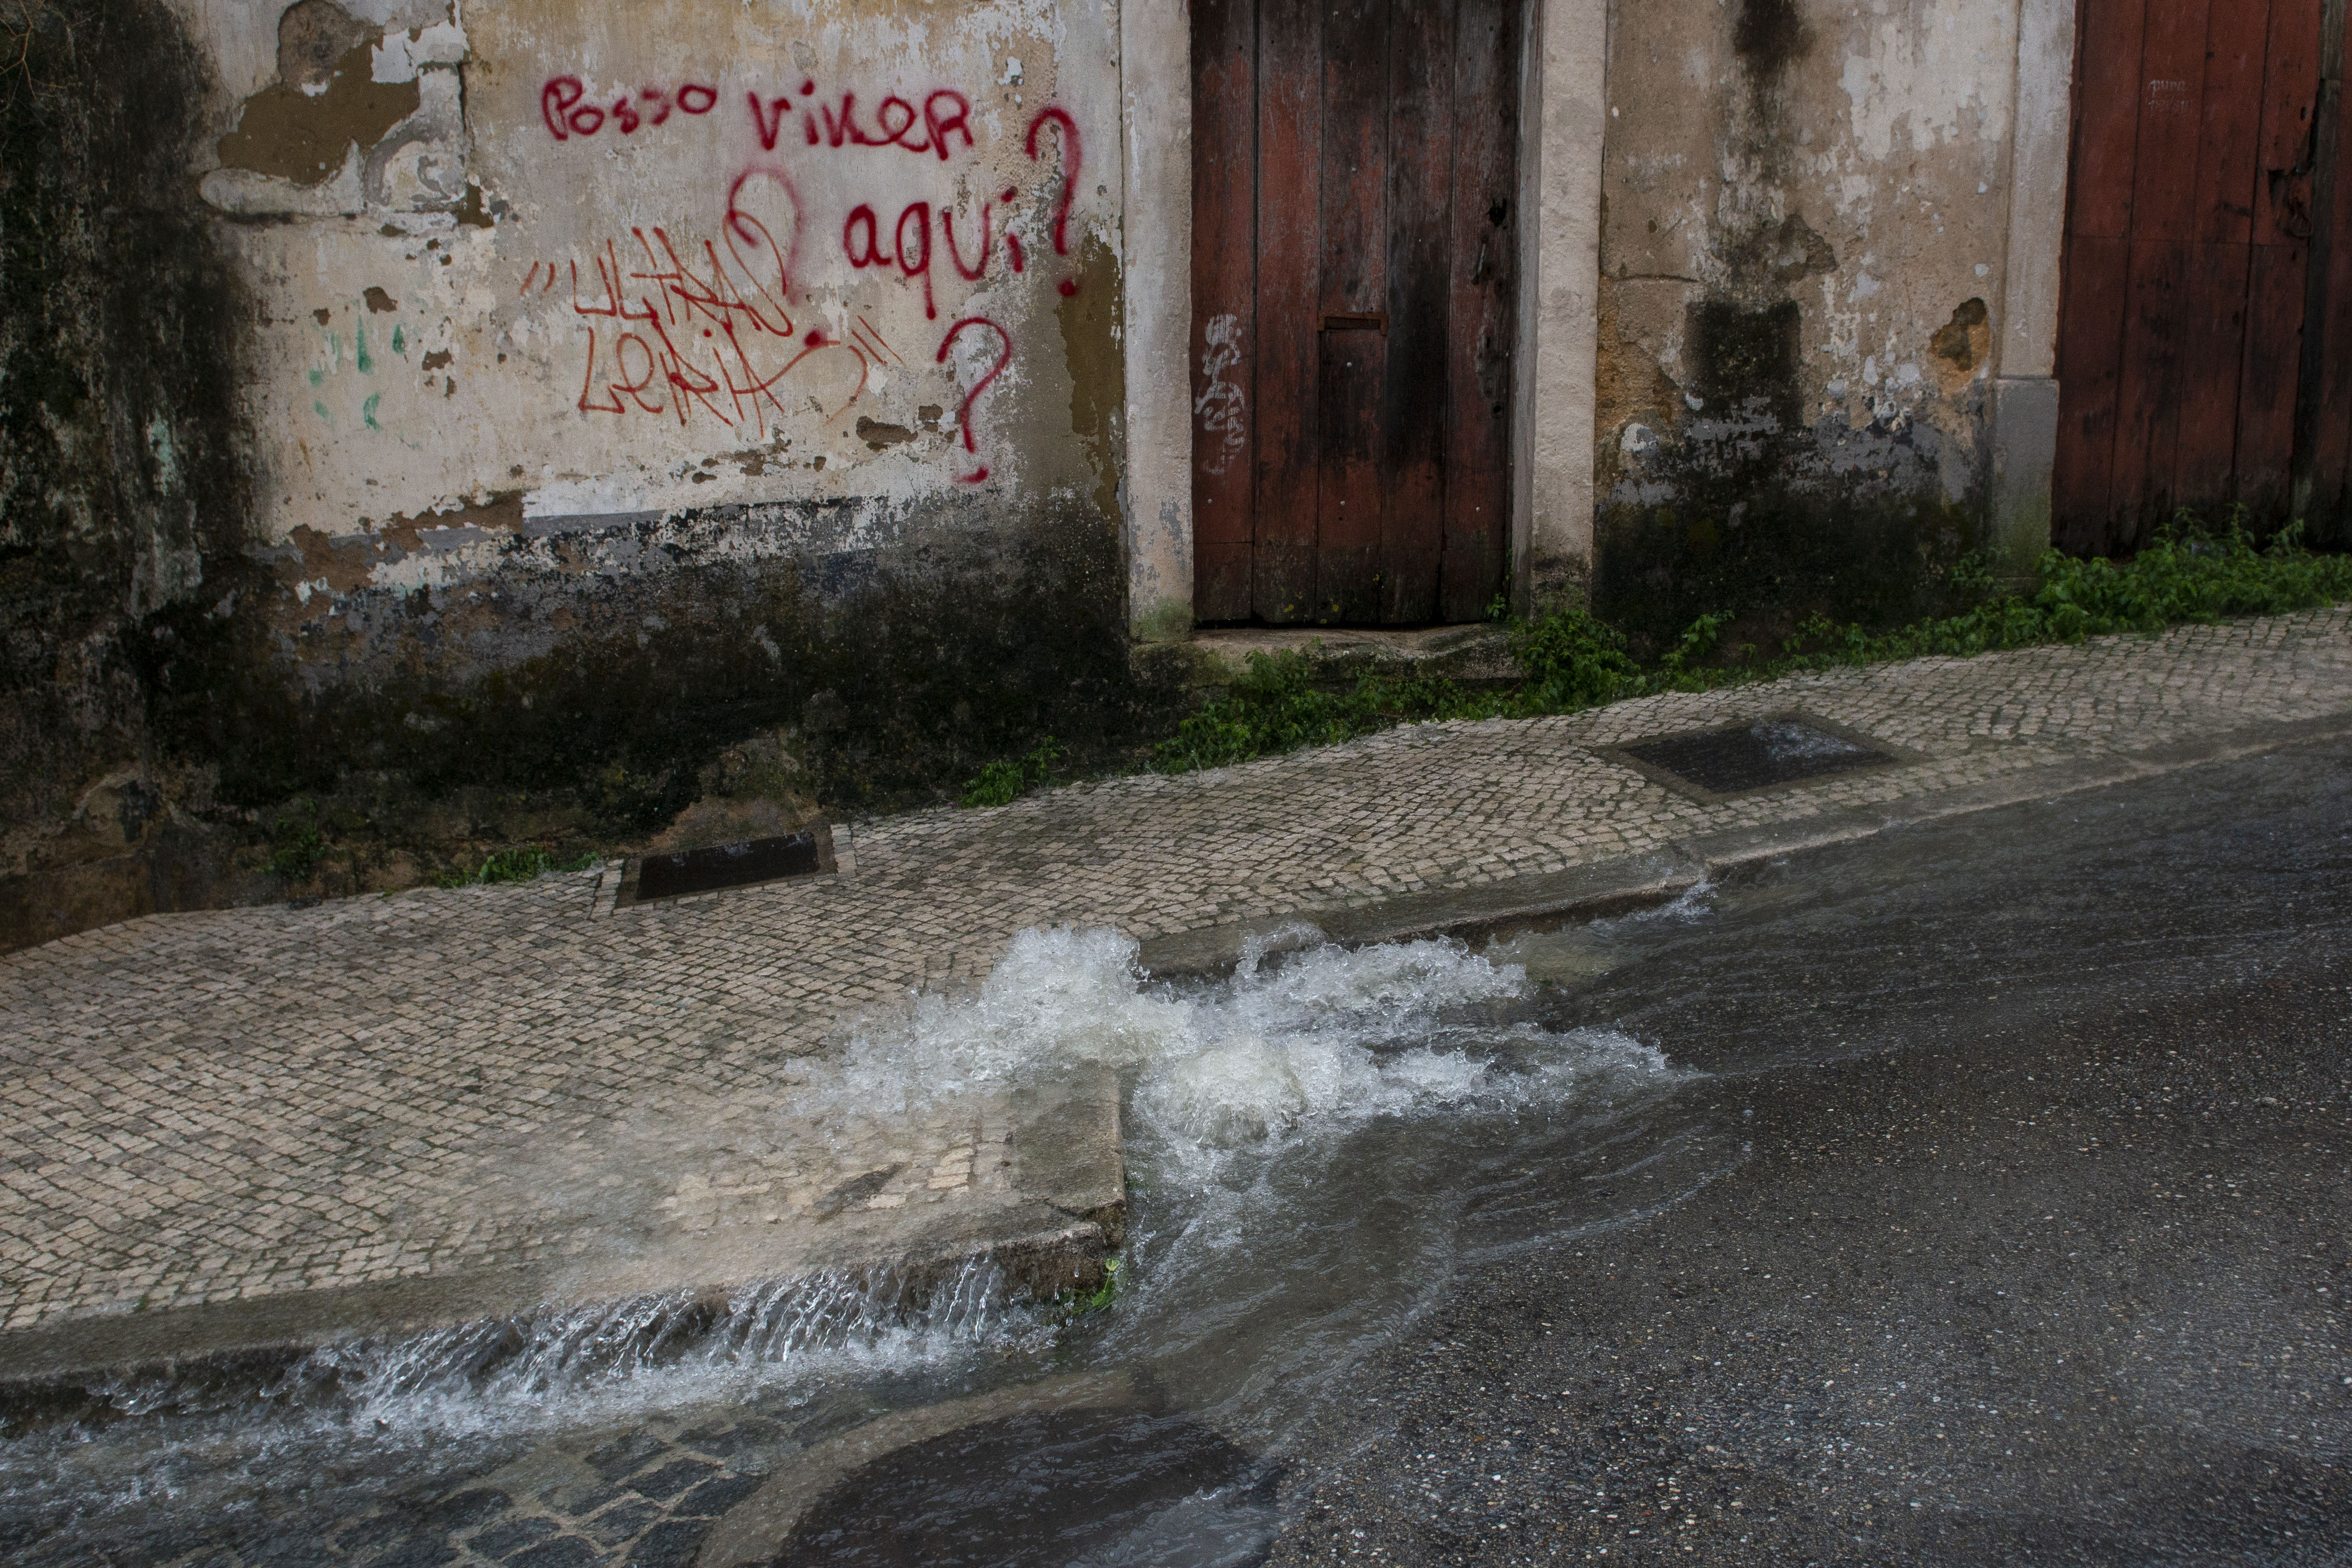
<point x="2186" y="256"/>
<point x="1353" y="218"/>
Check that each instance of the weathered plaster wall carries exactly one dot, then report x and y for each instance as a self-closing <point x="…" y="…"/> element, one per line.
<point x="674" y="257"/>
<point x="602" y="388"/>
<point x="1804" y="242"/>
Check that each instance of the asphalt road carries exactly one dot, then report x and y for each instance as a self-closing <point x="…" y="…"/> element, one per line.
<point x="2034" y="1247"/>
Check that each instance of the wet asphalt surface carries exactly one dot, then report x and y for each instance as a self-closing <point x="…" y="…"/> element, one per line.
<point x="2034" y="1248"/>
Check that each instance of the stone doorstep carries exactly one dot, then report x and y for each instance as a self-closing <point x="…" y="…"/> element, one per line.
<point x="1618" y="887"/>
<point x="1479" y="652"/>
<point x="1064" y="1219"/>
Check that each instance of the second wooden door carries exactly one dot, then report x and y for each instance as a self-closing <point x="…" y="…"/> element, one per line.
<point x="2182" y="366"/>
<point x="1354" y="232"/>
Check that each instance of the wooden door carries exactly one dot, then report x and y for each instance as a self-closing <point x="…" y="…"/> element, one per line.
<point x="1354" y="225"/>
<point x="2188" y="260"/>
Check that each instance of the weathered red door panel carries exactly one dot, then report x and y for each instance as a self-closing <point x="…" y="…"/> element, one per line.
<point x="2183" y="310"/>
<point x="1353" y="177"/>
<point x="2090" y="368"/>
<point x="1353" y="266"/>
<point x="1420" y="136"/>
<point x="1483" y="283"/>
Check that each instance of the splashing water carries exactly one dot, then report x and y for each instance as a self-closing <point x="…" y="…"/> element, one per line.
<point x="597" y="1361"/>
<point x="1252" y="1100"/>
<point x="1316" y="1038"/>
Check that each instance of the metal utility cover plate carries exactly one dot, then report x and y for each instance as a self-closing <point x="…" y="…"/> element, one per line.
<point x="1762" y="754"/>
<point x="725" y="865"/>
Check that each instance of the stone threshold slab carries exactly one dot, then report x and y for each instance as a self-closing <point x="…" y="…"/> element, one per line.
<point x="1622" y="886"/>
<point x="1063" y="1217"/>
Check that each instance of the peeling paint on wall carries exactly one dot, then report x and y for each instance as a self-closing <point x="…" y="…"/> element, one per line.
<point x="326" y="100"/>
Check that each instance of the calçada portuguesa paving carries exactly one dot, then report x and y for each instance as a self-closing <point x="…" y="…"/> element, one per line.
<point x="374" y="1098"/>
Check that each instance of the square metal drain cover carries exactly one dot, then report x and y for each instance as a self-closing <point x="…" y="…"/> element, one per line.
<point x="654" y="877"/>
<point x="1787" y="748"/>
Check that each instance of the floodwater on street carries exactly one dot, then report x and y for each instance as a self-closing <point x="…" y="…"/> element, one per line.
<point x="1348" y="1165"/>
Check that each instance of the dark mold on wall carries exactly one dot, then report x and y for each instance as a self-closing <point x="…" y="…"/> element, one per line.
<point x="1769" y="523"/>
<point x="1746" y="360"/>
<point x="897" y="670"/>
<point x="120" y="488"/>
<point x="553" y="698"/>
<point x="1743" y="508"/>
<point x="1769" y="35"/>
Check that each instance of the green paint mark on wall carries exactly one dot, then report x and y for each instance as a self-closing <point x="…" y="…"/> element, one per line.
<point x="320" y="410"/>
<point x="165" y="450"/>
<point x="399" y="341"/>
<point x="359" y="356"/>
<point x="367" y="410"/>
<point x="318" y="378"/>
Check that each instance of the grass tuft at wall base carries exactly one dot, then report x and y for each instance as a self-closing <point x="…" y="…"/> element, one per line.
<point x="1571" y="661"/>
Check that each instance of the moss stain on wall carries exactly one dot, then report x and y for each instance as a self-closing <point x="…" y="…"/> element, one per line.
<point x="1794" y="330"/>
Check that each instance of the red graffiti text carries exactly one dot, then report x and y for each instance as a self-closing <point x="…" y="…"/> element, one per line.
<point x="945" y="115"/>
<point x="964" y="410"/>
<point x="909" y="245"/>
<point x="563" y="109"/>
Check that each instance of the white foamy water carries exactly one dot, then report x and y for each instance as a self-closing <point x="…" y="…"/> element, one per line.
<point x="1293" y="1041"/>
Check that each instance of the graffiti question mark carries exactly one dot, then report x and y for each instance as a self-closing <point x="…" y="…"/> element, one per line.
<point x="963" y="410"/>
<point x="753" y="244"/>
<point x="1072" y="159"/>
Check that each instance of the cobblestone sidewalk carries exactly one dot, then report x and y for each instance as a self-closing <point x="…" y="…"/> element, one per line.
<point x="242" y="1103"/>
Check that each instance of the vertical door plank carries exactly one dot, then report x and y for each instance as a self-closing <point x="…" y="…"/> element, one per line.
<point x="2290" y="97"/>
<point x="1421" y="198"/>
<point x="2172" y="82"/>
<point x="2164" y="195"/>
<point x="2237" y="40"/>
<point x="2147" y="408"/>
<point x="2213" y="309"/>
<point x="2277" y="276"/>
<point x="2096" y="268"/>
<point x="2106" y="127"/>
<point x="1290" y="252"/>
<point x="2090" y="367"/>
<point x="1353" y="201"/>
<point x="2273" y="362"/>
<point x="1224" y="308"/>
<point x="2331" y="455"/>
<point x="1480" y="332"/>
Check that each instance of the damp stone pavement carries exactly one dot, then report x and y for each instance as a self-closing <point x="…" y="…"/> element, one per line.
<point x="381" y="1095"/>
